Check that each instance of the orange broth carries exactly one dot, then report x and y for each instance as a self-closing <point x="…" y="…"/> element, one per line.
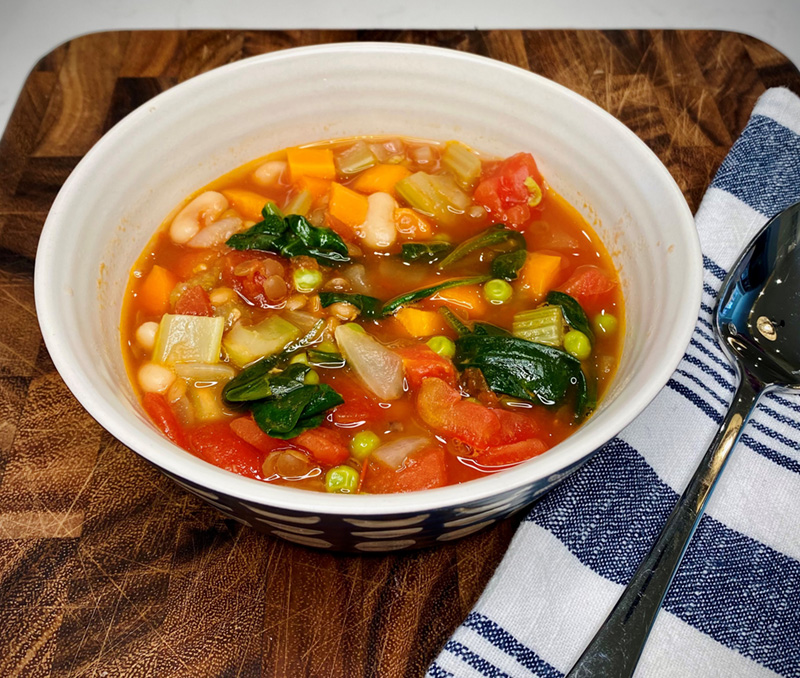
<point x="460" y="427"/>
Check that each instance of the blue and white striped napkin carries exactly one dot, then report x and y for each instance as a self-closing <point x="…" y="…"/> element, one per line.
<point x="734" y="605"/>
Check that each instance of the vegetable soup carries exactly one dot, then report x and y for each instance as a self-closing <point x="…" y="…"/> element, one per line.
<point x="373" y="315"/>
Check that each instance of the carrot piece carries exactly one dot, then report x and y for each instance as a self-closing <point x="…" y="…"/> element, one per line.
<point x="539" y="273"/>
<point x="380" y="178"/>
<point x="468" y="297"/>
<point x="154" y="292"/>
<point x="246" y="203"/>
<point x="412" y="225"/>
<point x="315" y="186"/>
<point x="311" y="162"/>
<point x="347" y="206"/>
<point x="419" y="323"/>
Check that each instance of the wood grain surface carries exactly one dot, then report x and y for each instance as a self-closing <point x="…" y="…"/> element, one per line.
<point x="109" y="569"/>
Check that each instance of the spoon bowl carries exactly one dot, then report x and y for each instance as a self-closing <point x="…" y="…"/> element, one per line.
<point x="757" y="319"/>
<point x="757" y="324"/>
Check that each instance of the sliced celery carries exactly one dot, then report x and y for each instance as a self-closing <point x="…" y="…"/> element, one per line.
<point x="355" y="159"/>
<point x="543" y="325"/>
<point x="462" y="162"/>
<point x="246" y="344"/>
<point x="188" y="339"/>
<point x="436" y="195"/>
<point x="206" y="402"/>
<point x="299" y="204"/>
<point x="447" y="188"/>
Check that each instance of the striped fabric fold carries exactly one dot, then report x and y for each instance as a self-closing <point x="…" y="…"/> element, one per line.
<point x="734" y="606"/>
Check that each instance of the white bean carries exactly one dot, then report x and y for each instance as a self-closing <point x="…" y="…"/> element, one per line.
<point x="221" y="295"/>
<point x="378" y="230"/>
<point x="146" y="335"/>
<point x="269" y="173"/>
<point x="203" y="210"/>
<point x="155" y="378"/>
<point x="216" y="233"/>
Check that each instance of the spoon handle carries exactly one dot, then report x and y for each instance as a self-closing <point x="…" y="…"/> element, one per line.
<point x="615" y="649"/>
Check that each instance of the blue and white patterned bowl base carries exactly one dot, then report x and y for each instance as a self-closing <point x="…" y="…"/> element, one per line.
<point x="350" y="533"/>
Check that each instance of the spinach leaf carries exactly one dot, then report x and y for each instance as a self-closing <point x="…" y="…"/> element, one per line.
<point x="253" y="382"/>
<point x="297" y="411"/>
<point x="271" y="209"/>
<point x="291" y="236"/>
<point x="505" y="265"/>
<point x="410" y="297"/>
<point x="573" y="313"/>
<point x="427" y="252"/>
<point x="373" y="308"/>
<point x="487" y="329"/>
<point x="454" y="321"/>
<point x="326" y="358"/>
<point x="523" y="369"/>
<point x="587" y="395"/>
<point x="370" y="307"/>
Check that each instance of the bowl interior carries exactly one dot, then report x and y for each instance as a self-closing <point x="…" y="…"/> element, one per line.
<point x="120" y="193"/>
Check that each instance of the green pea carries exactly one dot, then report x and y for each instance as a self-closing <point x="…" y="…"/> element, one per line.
<point x="497" y="291"/>
<point x="576" y="343"/>
<point x="442" y="345"/>
<point x="605" y="323"/>
<point x="306" y="279"/>
<point x="299" y="358"/>
<point x="311" y="377"/>
<point x="363" y="443"/>
<point x="342" y="479"/>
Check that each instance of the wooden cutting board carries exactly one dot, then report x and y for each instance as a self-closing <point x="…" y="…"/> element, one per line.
<point x="109" y="569"/>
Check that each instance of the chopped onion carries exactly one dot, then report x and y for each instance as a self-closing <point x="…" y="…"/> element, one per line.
<point x="357" y="276"/>
<point x="393" y="454"/>
<point x="380" y="369"/>
<point x="305" y="321"/>
<point x="205" y="371"/>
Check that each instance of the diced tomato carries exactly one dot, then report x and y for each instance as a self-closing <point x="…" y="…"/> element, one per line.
<point x="590" y="286"/>
<point x="516" y="426"/>
<point x="503" y="193"/>
<point x="161" y="413"/>
<point x="512" y="453"/>
<point x="217" y="444"/>
<point x="247" y="429"/>
<point x="325" y="445"/>
<point x="422" y="470"/>
<point x="257" y="268"/>
<point x="421" y="362"/>
<point x="440" y="406"/>
<point x="194" y="301"/>
<point x="359" y="405"/>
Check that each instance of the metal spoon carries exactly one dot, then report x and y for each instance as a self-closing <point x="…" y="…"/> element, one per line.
<point x="757" y="324"/>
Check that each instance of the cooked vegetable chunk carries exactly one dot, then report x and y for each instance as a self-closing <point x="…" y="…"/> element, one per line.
<point x="373" y="315"/>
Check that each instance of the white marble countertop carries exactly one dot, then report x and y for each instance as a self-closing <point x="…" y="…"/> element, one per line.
<point x="29" y="29"/>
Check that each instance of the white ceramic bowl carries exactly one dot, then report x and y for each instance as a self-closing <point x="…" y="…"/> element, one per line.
<point x="135" y="175"/>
